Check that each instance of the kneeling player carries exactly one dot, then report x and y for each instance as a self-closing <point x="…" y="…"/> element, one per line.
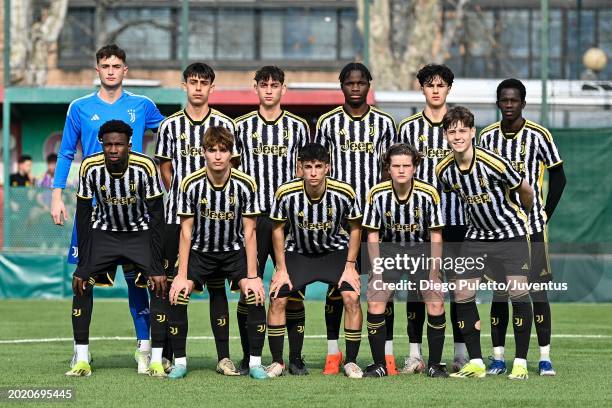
<point x="218" y="219"/>
<point x="318" y="249"/>
<point x="126" y="228"/>
<point x="497" y="233"/>
<point x="400" y="213"/>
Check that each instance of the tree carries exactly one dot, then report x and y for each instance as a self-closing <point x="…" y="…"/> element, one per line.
<point x="408" y="34"/>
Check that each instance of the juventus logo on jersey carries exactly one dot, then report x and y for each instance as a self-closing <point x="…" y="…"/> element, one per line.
<point x="286" y="134"/>
<point x="330" y="211"/>
<point x="372" y="131"/>
<point x="132" y="187"/>
<point x="232" y="200"/>
<point x="483" y="182"/>
<point x="523" y="149"/>
<point x="132" y="114"/>
<point x="417" y="213"/>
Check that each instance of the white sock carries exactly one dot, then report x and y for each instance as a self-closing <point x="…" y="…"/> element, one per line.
<point x="389" y="347"/>
<point x="156" y="354"/>
<point x="332" y="347"/>
<point x="460" y="350"/>
<point x="520" y="362"/>
<point x="254" y="361"/>
<point x="415" y="349"/>
<point x="82" y="351"/>
<point x="144" y="345"/>
<point x="478" y="362"/>
<point x="498" y="353"/>
<point x="545" y="353"/>
<point x="181" y="361"/>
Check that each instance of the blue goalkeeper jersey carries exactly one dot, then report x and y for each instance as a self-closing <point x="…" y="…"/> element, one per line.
<point x="87" y="114"/>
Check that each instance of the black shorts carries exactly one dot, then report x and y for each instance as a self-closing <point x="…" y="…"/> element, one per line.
<point x="540" y="262"/>
<point x="452" y="236"/>
<point x="495" y="260"/>
<point x="304" y="269"/>
<point x="172" y="236"/>
<point x="112" y="248"/>
<point x="213" y="267"/>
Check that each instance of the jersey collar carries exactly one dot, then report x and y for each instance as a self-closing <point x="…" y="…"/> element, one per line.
<point x="271" y="122"/>
<point x="221" y="187"/>
<point x="357" y="118"/>
<point x="123" y="94"/>
<point x="197" y="122"/>
<point x="432" y="124"/>
<point x="396" y="197"/>
<point x="511" y="135"/>
<point x="311" y="200"/>
<point x="469" y="169"/>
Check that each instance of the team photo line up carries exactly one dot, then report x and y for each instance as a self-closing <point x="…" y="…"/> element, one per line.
<point x="240" y="191"/>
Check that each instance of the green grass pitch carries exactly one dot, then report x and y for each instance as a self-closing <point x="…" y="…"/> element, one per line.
<point x="581" y="350"/>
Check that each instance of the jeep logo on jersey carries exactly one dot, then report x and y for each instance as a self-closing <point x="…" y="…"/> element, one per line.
<point x="132" y="114"/>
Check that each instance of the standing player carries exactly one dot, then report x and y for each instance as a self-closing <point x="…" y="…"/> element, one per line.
<point x="496" y="236"/>
<point x="357" y="135"/>
<point x="315" y="208"/>
<point x="268" y="140"/>
<point x="85" y="115"/>
<point x="125" y="225"/>
<point x="424" y="132"/>
<point x="218" y="241"/>
<point x="400" y="213"/>
<point x="181" y="152"/>
<point x="530" y="148"/>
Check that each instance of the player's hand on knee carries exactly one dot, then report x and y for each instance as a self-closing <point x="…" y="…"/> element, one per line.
<point x="79" y="285"/>
<point x="279" y="279"/>
<point x="180" y="285"/>
<point x="351" y="276"/>
<point x="255" y="286"/>
<point x="158" y="285"/>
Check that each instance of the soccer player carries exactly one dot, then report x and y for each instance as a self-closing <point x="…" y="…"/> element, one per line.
<point x="318" y="249"/>
<point x="124" y="226"/>
<point x="400" y="213"/>
<point x="357" y="135"/>
<point x="530" y="148"/>
<point x="268" y="140"/>
<point x="180" y="151"/>
<point x="85" y="115"/>
<point x="217" y="242"/>
<point x="424" y="132"/>
<point x="497" y="227"/>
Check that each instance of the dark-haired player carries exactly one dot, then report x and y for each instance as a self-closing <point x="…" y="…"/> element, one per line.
<point x="217" y="242"/>
<point x="180" y="151"/>
<point x="268" y="141"/>
<point x="315" y="207"/>
<point x="497" y="235"/>
<point x="530" y="148"/>
<point x="424" y="131"/>
<point x="125" y="227"/>
<point x="83" y="120"/>
<point x="356" y="135"/>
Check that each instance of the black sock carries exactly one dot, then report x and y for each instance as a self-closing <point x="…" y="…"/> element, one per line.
<point x="415" y="312"/>
<point x="159" y="319"/>
<point x="499" y="319"/>
<point x="542" y="317"/>
<point x="457" y="336"/>
<point x="219" y="317"/>
<point x="179" y="326"/>
<point x="522" y="317"/>
<point x="353" y="341"/>
<point x="276" y="340"/>
<point x="389" y="320"/>
<point x="242" y="312"/>
<point x="467" y="316"/>
<point x="81" y="315"/>
<point x="377" y="333"/>
<point x="436" y="325"/>
<point x="296" y="320"/>
<point x="256" y="323"/>
<point x="334" y="307"/>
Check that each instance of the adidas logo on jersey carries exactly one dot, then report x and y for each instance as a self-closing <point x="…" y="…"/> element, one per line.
<point x="95" y="117"/>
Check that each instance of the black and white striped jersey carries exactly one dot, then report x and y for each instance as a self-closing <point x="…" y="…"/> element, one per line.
<point x="428" y="138"/>
<point x="269" y="150"/>
<point x="403" y="221"/>
<point x="485" y="188"/>
<point x="218" y="210"/>
<point x="356" y="146"/>
<point x="530" y="151"/>
<point x="119" y="198"/>
<point x="315" y="225"/>
<point x="179" y="139"/>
